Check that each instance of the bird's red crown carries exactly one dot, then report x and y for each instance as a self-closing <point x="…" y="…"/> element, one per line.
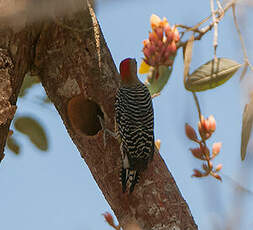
<point x="124" y="67"/>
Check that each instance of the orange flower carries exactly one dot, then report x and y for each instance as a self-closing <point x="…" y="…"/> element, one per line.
<point x="160" y="48"/>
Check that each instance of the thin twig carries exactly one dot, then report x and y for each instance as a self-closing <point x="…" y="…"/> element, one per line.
<point x="219" y="6"/>
<point x="246" y="60"/>
<point x="204" y="30"/>
<point x="197" y="104"/>
<point x="240" y="34"/>
<point x="215" y="26"/>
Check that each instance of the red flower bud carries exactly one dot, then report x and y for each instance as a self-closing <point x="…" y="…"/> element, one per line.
<point x="197" y="173"/>
<point x="159" y="45"/>
<point x="169" y="34"/>
<point x="152" y="49"/>
<point x="203" y="127"/>
<point x="172" y="47"/>
<point x="176" y="36"/>
<point x="153" y="37"/>
<point x="167" y="28"/>
<point x="109" y="219"/>
<point x="166" y="55"/>
<point x="197" y="153"/>
<point x="190" y="132"/>
<point x="146" y="51"/>
<point x="216" y="176"/>
<point x="159" y="33"/>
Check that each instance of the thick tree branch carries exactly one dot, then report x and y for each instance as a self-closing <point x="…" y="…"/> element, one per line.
<point x="16" y="54"/>
<point x="80" y="77"/>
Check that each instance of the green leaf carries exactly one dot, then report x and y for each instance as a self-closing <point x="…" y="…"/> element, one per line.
<point x="28" y="82"/>
<point x="211" y="74"/>
<point x="158" y="78"/>
<point x="247" y="121"/>
<point x="31" y="128"/>
<point x="13" y="145"/>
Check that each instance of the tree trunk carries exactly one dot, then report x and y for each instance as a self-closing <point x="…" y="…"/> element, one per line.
<point x="77" y="71"/>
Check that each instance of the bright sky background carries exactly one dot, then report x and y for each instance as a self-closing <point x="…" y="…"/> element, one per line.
<point x="55" y="190"/>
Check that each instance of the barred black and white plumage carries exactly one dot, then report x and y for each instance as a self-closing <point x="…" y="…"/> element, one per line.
<point x="135" y="129"/>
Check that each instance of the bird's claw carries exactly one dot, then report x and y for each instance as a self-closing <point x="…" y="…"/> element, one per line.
<point x="105" y="130"/>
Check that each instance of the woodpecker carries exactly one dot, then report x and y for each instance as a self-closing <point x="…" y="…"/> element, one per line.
<point x="134" y="124"/>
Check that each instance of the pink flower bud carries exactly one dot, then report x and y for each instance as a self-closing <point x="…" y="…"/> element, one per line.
<point x="218" y="167"/>
<point x="167" y="28"/>
<point x="197" y="173"/>
<point x="172" y="47"/>
<point x="152" y="48"/>
<point x="152" y="60"/>
<point x="211" y="124"/>
<point x="203" y="127"/>
<point x="176" y="35"/>
<point x="200" y="128"/>
<point x="145" y="42"/>
<point x="197" y="153"/>
<point x="159" y="45"/>
<point x="216" y="149"/>
<point x="164" y="22"/>
<point x="216" y="176"/>
<point x="109" y="219"/>
<point x="169" y="34"/>
<point x="154" y="21"/>
<point x="190" y="132"/>
<point x="166" y="54"/>
<point x="159" y="32"/>
<point x="153" y="37"/>
<point x="163" y="50"/>
<point x="146" y="52"/>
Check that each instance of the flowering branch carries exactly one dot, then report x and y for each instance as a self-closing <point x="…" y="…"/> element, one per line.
<point x="206" y="128"/>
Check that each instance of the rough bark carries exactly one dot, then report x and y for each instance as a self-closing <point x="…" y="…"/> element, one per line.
<point x="16" y="55"/>
<point x="80" y="78"/>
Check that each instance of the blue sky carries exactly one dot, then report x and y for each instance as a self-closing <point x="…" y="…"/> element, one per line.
<point x="55" y="190"/>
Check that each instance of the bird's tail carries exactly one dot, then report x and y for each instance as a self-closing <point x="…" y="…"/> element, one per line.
<point x="129" y="175"/>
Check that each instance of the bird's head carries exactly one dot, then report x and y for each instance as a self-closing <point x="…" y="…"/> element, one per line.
<point x="128" y="71"/>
